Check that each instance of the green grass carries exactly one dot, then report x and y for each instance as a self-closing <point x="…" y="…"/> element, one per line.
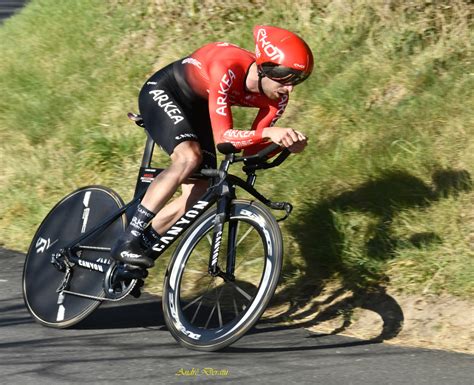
<point x="383" y="193"/>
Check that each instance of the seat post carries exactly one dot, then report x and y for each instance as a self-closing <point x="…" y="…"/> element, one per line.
<point x="148" y="152"/>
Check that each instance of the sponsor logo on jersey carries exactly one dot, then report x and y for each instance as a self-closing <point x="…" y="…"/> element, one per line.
<point x="241" y="143"/>
<point x="167" y="105"/>
<point x="282" y="103"/>
<point x="238" y="134"/>
<point x="224" y="88"/>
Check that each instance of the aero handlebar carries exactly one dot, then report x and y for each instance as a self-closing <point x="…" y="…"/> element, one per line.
<point x="252" y="162"/>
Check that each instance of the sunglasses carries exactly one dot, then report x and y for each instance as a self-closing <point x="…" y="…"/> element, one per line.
<point x="283" y="75"/>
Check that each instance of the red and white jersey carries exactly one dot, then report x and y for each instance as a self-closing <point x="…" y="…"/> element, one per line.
<point x="217" y="72"/>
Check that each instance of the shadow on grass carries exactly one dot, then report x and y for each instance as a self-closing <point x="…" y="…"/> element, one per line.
<point x="322" y="243"/>
<point x="363" y="278"/>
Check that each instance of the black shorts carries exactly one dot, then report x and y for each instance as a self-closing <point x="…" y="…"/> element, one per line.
<point x="174" y="113"/>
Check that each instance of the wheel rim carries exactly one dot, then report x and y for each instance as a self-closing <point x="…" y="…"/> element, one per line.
<point x="212" y="302"/>
<point x="253" y="296"/>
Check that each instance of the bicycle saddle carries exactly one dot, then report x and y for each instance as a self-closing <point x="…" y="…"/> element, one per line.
<point x="137" y="118"/>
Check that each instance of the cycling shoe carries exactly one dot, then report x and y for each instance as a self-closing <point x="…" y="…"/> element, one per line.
<point x="129" y="250"/>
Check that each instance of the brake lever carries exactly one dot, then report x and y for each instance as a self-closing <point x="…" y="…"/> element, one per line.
<point x="288" y="207"/>
<point x="280" y="158"/>
<point x="262" y="165"/>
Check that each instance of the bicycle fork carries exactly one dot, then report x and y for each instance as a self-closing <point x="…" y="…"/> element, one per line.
<point x="227" y="193"/>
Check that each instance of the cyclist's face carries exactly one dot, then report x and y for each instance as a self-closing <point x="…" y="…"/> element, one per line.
<point x="275" y="90"/>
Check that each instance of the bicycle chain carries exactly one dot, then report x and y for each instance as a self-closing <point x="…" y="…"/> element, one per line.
<point x="92" y="296"/>
<point x="94" y="248"/>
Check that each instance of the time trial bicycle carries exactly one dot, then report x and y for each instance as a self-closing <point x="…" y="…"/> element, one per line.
<point x="219" y="279"/>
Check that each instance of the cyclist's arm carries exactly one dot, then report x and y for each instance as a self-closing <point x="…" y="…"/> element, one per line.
<point x="267" y="117"/>
<point x="289" y="138"/>
<point x="221" y="81"/>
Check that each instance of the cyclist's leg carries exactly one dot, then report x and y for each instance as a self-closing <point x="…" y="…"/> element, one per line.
<point x="191" y="190"/>
<point x="131" y="248"/>
<point x="185" y="159"/>
<point x="167" y="216"/>
<point x="175" y="134"/>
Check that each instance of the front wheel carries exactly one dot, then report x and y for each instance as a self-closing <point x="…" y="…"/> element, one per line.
<point x="205" y="312"/>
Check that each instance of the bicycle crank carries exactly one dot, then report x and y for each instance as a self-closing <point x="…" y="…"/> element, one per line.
<point x="120" y="280"/>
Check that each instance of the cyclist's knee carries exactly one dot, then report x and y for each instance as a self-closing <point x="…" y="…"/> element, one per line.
<point x="187" y="156"/>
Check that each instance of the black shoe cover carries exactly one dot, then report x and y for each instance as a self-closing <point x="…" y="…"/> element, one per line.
<point x="128" y="250"/>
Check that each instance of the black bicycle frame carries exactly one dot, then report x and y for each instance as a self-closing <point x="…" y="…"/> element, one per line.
<point x="222" y="191"/>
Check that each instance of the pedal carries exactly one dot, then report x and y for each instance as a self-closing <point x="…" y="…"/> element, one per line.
<point x="132" y="272"/>
<point x="136" y="292"/>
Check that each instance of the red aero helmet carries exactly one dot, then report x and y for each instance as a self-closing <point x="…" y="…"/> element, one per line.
<point x="281" y="55"/>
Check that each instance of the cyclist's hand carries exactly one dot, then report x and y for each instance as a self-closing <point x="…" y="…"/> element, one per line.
<point x="294" y="140"/>
<point x="298" y="146"/>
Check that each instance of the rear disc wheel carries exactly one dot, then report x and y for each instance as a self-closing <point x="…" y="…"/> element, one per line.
<point x="75" y="214"/>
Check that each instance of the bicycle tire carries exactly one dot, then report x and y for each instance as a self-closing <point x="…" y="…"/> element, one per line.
<point x="76" y="213"/>
<point x="257" y="271"/>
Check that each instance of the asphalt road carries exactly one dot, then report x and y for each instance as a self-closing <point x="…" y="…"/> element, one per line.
<point x="127" y="342"/>
<point x="9" y="7"/>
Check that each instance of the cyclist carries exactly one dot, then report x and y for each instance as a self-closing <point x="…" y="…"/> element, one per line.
<point x="186" y="108"/>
